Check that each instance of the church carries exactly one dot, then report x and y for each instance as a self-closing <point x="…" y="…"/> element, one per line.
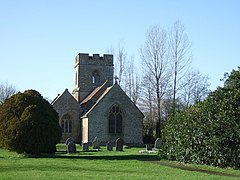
<point x="98" y="107"/>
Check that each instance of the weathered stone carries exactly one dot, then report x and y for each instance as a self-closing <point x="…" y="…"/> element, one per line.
<point x="109" y="146"/>
<point x="157" y="144"/>
<point x="85" y="146"/>
<point x="66" y="105"/>
<point x="71" y="147"/>
<point x="93" y="97"/>
<point x="70" y="139"/>
<point x="148" y="147"/>
<point x="96" y="143"/>
<point x="88" y="70"/>
<point x="119" y="144"/>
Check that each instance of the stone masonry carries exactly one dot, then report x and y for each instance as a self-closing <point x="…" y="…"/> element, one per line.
<point x="84" y="68"/>
<point x="88" y="109"/>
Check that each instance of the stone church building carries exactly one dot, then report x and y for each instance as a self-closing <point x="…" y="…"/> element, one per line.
<point x="98" y="107"/>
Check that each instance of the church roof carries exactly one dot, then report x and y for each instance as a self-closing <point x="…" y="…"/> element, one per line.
<point x="96" y="92"/>
<point x="66" y="93"/>
<point x="92" y="99"/>
<point x="104" y="93"/>
<point x="98" y="100"/>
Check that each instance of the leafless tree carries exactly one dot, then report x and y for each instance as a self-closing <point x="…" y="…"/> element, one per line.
<point x="6" y="91"/>
<point x="180" y="55"/>
<point x="194" y="88"/>
<point x="120" y="56"/>
<point x="154" y="55"/>
<point x="126" y="72"/>
<point x="120" y="61"/>
<point x="148" y="106"/>
<point x="131" y="81"/>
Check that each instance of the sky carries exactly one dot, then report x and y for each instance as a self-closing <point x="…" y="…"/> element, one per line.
<point x="40" y="39"/>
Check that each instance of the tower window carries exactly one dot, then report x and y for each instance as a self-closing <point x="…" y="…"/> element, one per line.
<point x="95" y="77"/>
<point x="66" y="124"/>
<point x="115" y="120"/>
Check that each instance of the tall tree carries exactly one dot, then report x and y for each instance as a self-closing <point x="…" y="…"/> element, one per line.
<point x="125" y="70"/>
<point x="148" y="106"/>
<point x="131" y="81"/>
<point x="120" y="61"/>
<point x="154" y="55"/>
<point x="6" y="91"/>
<point x="180" y="55"/>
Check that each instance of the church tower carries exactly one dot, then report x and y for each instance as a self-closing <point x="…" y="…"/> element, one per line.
<point x="91" y="72"/>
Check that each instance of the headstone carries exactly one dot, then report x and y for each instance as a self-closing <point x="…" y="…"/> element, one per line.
<point x="109" y="146"/>
<point x="96" y="143"/>
<point x="148" y="147"/>
<point x="71" y="147"/>
<point x="157" y="144"/>
<point x="69" y="140"/>
<point x="85" y="146"/>
<point x="119" y="144"/>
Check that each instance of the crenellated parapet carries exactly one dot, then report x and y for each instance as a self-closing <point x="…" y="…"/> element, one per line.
<point x="91" y="72"/>
<point x="95" y="59"/>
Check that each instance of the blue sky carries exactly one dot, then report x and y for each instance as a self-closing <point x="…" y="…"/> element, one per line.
<point x="40" y="39"/>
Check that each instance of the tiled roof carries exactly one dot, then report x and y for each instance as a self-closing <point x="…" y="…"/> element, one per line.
<point x="90" y="101"/>
<point x="95" y="93"/>
<point x="97" y="101"/>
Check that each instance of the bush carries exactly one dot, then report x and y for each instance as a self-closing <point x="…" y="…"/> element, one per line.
<point x="28" y="123"/>
<point x="207" y="132"/>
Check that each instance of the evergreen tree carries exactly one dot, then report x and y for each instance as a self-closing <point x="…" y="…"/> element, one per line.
<point x="28" y="123"/>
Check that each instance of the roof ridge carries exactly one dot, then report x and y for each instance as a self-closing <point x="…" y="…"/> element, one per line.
<point x="94" y="93"/>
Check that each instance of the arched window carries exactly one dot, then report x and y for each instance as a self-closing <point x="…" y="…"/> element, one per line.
<point x="115" y="120"/>
<point x="66" y="124"/>
<point x="62" y="125"/>
<point x="95" y="77"/>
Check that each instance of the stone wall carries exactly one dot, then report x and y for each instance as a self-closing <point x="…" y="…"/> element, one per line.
<point x="85" y="66"/>
<point x="66" y="104"/>
<point x="132" y="119"/>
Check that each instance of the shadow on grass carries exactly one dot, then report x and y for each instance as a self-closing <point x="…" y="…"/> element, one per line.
<point x="149" y="158"/>
<point x="139" y="157"/>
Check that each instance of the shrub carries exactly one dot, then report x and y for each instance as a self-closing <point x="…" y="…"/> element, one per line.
<point x="207" y="132"/>
<point x="28" y="123"/>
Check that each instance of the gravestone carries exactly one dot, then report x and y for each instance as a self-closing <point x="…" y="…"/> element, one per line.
<point x="157" y="144"/>
<point x="69" y="140"/>
<point x="119" y="144"/>
<point x="85" y="146"/>
<point x="109" y="146"/>
<point x="71" y="147"/>
<point x="148" y="147"/>
<point x="96" y="143"/>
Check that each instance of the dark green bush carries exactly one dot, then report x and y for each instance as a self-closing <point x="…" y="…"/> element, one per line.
<point x="207" y="132"/>
<point x="28" y="123"/>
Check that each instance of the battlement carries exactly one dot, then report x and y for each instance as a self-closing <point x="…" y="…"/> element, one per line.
<point x="95" y="59"/>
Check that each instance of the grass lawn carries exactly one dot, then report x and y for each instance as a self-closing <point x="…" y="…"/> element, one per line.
<point x="129" y="164"/>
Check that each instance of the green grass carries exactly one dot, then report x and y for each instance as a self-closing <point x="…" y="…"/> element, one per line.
<point x="129" y="164"/>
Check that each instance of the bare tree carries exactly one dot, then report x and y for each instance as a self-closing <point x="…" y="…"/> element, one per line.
<point x="110" y="50"/>
<point x="194" y="88"/>
<point x="6" y="91"/>
<point x="120" y="61"/>
<point x="131" y="81"/>
<point x="180" y="55"/>
<point x="120" y="56"/>
<point x="154" y="55"/>
<point x="149" y="108"/>
<point x="126" y="72"/>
